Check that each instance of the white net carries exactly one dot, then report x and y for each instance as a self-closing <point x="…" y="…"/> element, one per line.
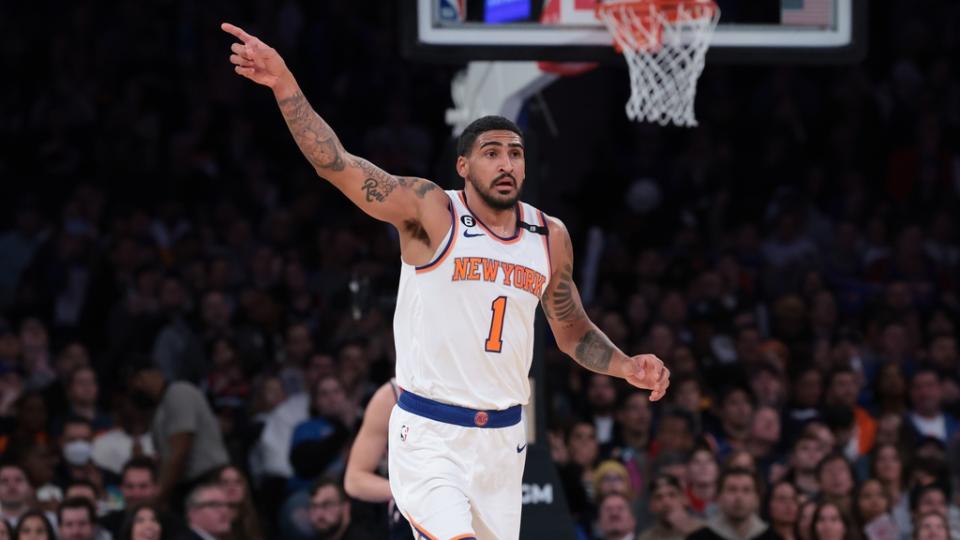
<point x="665" y="44"/>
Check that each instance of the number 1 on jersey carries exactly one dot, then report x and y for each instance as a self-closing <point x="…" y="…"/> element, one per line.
<point x="495" y="338"/>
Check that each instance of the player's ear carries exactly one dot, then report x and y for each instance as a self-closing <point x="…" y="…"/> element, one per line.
<point x="463" y="167"/>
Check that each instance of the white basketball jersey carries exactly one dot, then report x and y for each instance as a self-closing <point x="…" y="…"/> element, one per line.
<point x="464" y="322"/>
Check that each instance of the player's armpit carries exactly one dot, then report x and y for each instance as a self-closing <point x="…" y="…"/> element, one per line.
<point x="396" y="200"/>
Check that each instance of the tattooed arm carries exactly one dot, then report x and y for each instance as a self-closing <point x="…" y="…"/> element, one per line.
<point x="411" y="204"/>
<point x="579" y="337"/>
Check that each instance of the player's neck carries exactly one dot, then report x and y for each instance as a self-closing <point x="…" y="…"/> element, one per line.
<point x="503" y="222"/>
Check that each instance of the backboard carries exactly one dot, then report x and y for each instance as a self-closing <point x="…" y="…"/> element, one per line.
<point x="755" y="31"/>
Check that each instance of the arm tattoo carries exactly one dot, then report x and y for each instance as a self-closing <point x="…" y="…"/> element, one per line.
<point x="594" y="351"/>
<point x="314" y="136"/>
<point x="562" y="304"/>
<point x="379" y="184"/>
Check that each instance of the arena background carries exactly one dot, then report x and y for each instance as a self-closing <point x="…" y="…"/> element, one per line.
<point x="156" y="211"/>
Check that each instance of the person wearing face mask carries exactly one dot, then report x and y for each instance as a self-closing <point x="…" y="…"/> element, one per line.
<point x="76" y="449"/>
<point x="184" y="430"/>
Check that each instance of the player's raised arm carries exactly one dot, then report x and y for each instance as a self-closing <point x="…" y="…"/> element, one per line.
<point x="579" y="337"/>
<point x="396" y="200"/>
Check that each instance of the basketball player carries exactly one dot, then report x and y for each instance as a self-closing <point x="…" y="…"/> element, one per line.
<point x="361" y="480"/>
<point x="475" y="264"/>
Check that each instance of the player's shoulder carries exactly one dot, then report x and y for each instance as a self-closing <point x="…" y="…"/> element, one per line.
<point x="556" y="227"/>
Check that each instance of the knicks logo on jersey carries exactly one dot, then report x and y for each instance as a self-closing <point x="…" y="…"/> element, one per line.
<point x="489" y="270"/>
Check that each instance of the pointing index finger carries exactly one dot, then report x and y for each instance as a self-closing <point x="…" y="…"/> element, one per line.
<point x="236" y="31"/>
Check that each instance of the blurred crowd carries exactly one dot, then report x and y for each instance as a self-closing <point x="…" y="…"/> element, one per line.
<point x="193" y="322"/>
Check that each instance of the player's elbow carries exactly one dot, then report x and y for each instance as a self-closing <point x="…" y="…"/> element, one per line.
<point x="351" y="484"/>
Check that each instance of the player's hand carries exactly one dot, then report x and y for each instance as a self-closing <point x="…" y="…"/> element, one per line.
<point x="648" y="372"/>
<point x="255" y="59"/>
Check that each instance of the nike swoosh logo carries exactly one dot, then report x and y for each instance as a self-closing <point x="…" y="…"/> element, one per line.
<point x="466" y="234"/>
<point x="520" y="448"/>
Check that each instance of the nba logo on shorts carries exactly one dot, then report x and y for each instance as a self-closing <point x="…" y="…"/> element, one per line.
<point x="480" y="419"/>
<point x="404" y="429"/>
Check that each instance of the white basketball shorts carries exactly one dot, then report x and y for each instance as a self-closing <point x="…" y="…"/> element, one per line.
<point x="456" y="473"/>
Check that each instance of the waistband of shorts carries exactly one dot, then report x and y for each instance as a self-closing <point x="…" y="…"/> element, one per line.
<point x="456" y="415"/>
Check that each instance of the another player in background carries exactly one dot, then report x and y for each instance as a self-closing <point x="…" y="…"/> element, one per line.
<point x="367" y="454"/>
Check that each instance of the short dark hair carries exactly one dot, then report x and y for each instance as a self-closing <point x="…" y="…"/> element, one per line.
<point x="683" y="415"/>
<point x="729" y="389"/>
<point x="323" y="482"/>
<point x="191" y="501"/>
<point x="664" y="479"/>
<point x="481" y="125"/>
<point x="740" y="471"/>
<point x="620" y="494"/>
<point x="142" y="463"/>
<point x="84" y="483"/>
<point x="835" y="456"/>
<point x="918" y="492"/>
<point x="77" y="502"/>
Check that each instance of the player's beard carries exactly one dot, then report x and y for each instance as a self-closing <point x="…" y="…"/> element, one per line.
<point x="492" y="198"/>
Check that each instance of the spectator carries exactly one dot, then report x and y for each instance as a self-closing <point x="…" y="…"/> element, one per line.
<point x="764" y="438"/>
<point x="83" y="393"/>
<point x="805" y="520"/>
<point x="735" y="414"/>
<point x="138" y="485"/>
<point x="188" y="438"/>
<point x="208" y="513"/>
<point x="888" y="468"/>
<point x="577" y="474"/>
<point x="830" y="523"/>
<point x="842" y="389"/>
<point x="601" y="404"/>
<point x="932" y="526"/>
<point x="804" y="398"/>
<point x="77" y="520"/>
<point x="872" y="511"/>
<point x="143" y="523"/>
<point x="836" y="479"/>
<point x="129" y="439"/>
<point x="926" y="416"/>
<point x="782" y="509"/>
<point x="34" y="525"/>
<point x="319" y="444"/>
<point x="611" y="477"/>
<point x="633" y="438"/>
<point x="738" y="499"/>
<point x="76" y="443"/>
<point x="16" y="493"/>
<point x="244" y="524"/>
<point x="330" y="513"/>
<point x="85" y="490"/>
<point x="616" y="520"/>
<point x="702" y="475"/>
<point x="675" y="431"/>
<point x="668" y="506"/>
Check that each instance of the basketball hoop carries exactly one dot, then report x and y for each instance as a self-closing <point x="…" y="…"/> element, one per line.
<point x="665" y="43"/>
